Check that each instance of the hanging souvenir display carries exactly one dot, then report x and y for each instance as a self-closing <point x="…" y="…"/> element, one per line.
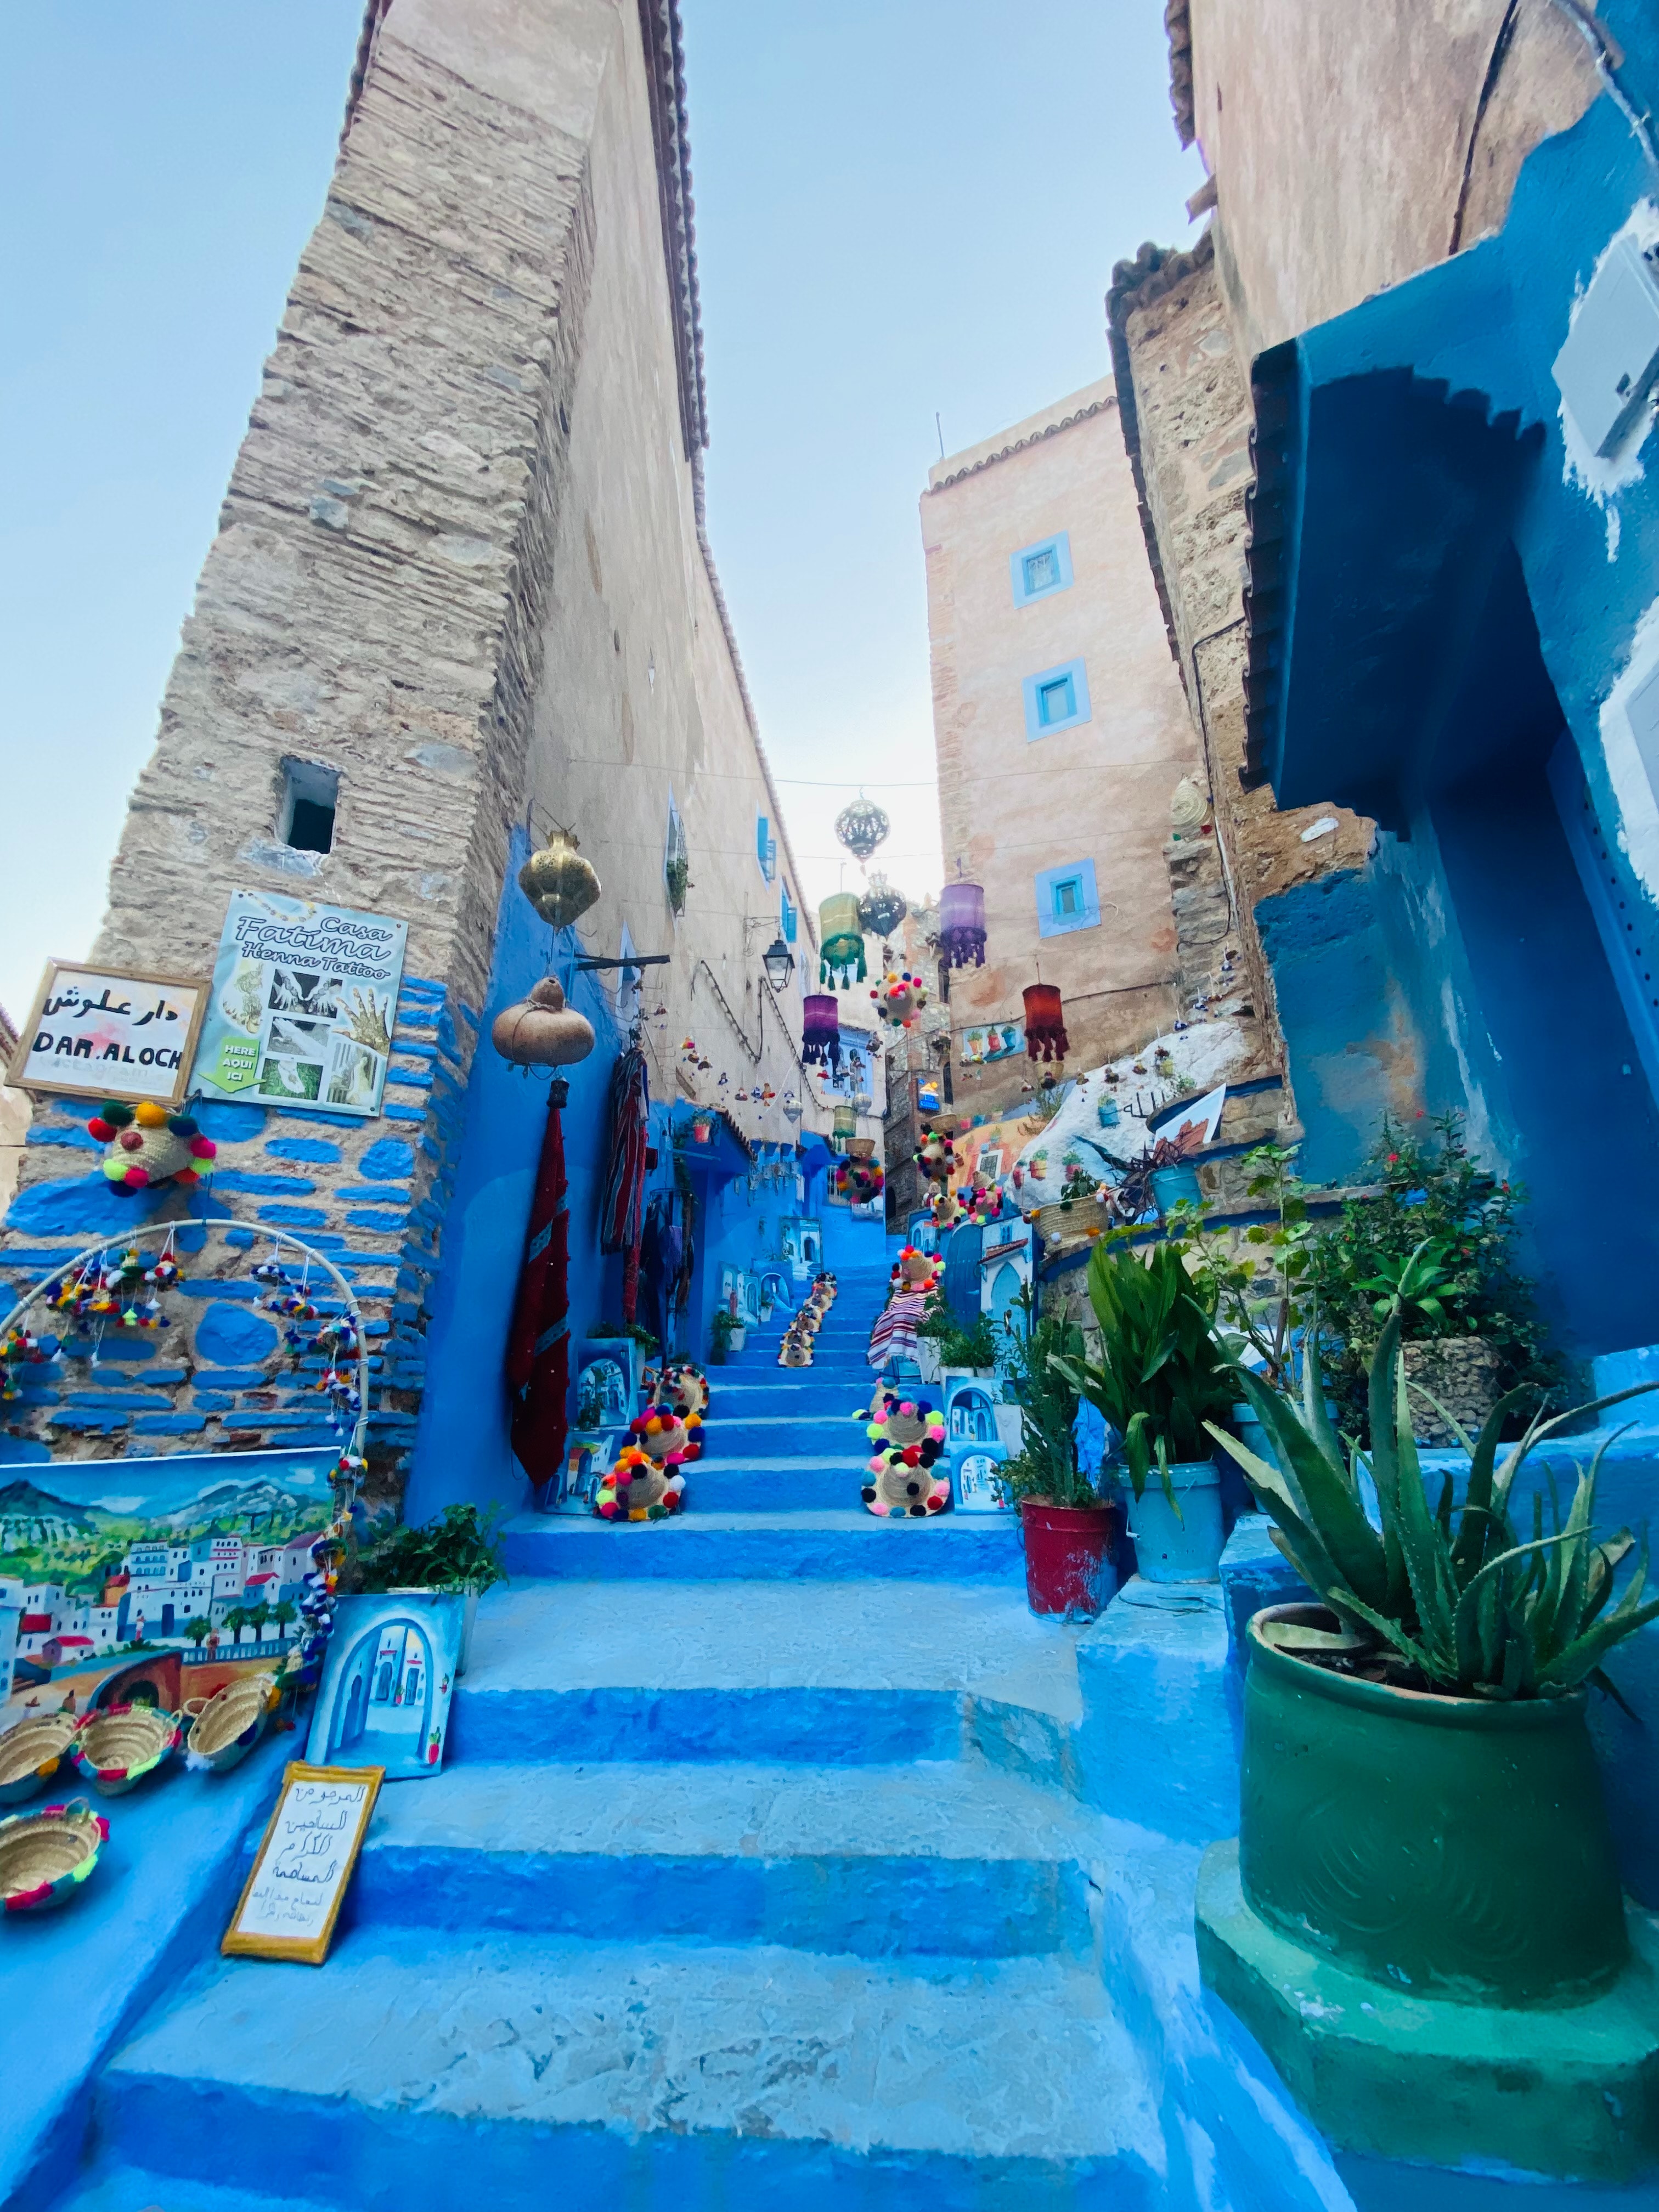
<point x="841" y="941"/>
<point x="859" y="1176"/>
<point x="961" y="926"/>
<point x="558" y="883"/>
<point x="149" y="1145"/>
<point x="621" y="1217"/>
<point x="1045" y="1023"/>
<point x="899" y="997"/>
<point x="121" y="1289"/>
<point x="861" y="827"/>
<point x="538" y="1339"/>
<point x="881" y="909"/>
<point x="19" y="1347"/>
<point x="820" y="1038"/>
<point x="541" y="1030"/>
<point x="936" y="1156"/>
<point x="909" y="1437"/>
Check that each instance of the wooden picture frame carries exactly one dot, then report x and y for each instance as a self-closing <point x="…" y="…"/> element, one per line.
<point x="101" y="1076"/>
<point x="291" y="1829"/>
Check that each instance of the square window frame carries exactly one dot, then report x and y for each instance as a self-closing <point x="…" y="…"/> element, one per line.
<point x="1061" y="546"/>
<point x="1049" y="881"/>
<point x="1033" y="688"/>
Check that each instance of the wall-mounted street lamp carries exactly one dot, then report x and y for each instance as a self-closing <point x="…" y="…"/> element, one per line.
<point x="779" y="963"/>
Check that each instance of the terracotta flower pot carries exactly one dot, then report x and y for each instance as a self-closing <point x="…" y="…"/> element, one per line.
<point x="1069" y="1550"/>
<point x="1452" y="1847"/>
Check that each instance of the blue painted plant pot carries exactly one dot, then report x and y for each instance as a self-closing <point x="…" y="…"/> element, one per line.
<point x="1182" y="1547"/>
<point x="1172" y="1187"/>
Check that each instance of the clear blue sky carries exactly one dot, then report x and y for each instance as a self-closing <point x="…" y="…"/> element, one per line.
<point x="901" y="206"/>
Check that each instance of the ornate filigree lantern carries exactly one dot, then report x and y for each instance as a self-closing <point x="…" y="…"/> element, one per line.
<point x="558" y="883"/>
<point x="861" y="827"/>
<point x="881" y="909"/>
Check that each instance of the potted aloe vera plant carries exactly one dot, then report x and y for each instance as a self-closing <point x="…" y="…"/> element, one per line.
<point x="1422" y="1727"/>
<point x="1161" y="1380"/>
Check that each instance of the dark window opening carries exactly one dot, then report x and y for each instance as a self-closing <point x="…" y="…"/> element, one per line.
<point x="310" y="794"/>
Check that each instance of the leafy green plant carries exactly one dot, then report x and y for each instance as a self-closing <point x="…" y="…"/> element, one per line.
<point x="1419" y="1283"/>
<point x="1429" y="1190"/>
<point x="1256" y="1281"/>
<point x="460" y="1550"/>
<point x="1045" y="1467"/>
<point x="1161" y="1377"/>
<point x="975" y="1347"/>
<point x="609" y="1331"/>
<point x="1431" y="1599"/>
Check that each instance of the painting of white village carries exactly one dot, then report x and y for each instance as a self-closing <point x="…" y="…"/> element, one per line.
<point x="148" y="1590"/>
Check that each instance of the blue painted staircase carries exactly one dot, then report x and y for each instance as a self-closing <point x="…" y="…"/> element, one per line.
<point x="755" y="1880"/>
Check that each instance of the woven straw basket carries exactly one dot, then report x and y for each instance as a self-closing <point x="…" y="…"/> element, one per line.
<point x="46" y="1857"/>
<point x="117" y="1749"/>
<point x="225" y="1727"/>
<point x="31" y="1753"/>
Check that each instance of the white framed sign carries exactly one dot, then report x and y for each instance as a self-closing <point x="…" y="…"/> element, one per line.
<point x="110" y="1033"/>
<point x="291" y="1900"/>
<point x="302" y="1007"/>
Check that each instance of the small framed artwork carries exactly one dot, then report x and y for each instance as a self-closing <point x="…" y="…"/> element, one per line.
<point x="291" y="1900"/>
<point x="589" y="1456"/>
<point x="106" y="1033"/>
<point x="384" y="1701"/>
<point x="977" y="1478"/>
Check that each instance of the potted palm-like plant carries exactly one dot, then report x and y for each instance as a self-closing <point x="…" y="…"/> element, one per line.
<point x="1161" y="1379"/>
<point x="1435" y="1692"/>
<point x="1068" y="1529"/>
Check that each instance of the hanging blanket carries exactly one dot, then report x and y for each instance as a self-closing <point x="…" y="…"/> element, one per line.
<point x="622" y="1214"/>
<point x="894" y="1336"/>
<point x="539" y="1343"/>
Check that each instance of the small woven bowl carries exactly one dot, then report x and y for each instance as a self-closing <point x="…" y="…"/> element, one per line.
<point x="45" y="1856"/>
<point x="115" y="1750"/>
<point x="31" y="1753"/>
<point x="225" y="1727"/>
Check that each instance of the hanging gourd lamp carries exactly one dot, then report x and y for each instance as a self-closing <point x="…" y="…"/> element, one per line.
<point x="844" y="1128"/>
<point x="541" y="1030"/>
<point x="961" y="926"/>
<point x="841" y="940"/>
<point x="558" y="883"/>
<point x="881" y="909"/>
<point x="1045" y="1023"/>
<point x="820" y="1038"/>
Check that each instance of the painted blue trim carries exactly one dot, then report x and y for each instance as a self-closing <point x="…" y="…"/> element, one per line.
<point x="1079" y="876"/>
<point x="1589" y="844"/>
<point x="766" y="847"/>
<point x="1056" y="699"/>
<point x="1029" y="557"/>
<point x="788" y="915"/>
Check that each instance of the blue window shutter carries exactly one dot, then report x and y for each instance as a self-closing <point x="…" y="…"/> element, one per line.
<point x="760" y="827"/>
<point x="1037" y="571"/>
<point x="1066" y="899"/>
<point x="787" y="916"/>
<point x="1056" y="699"/>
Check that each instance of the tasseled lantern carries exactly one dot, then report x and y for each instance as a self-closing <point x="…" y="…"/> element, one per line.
<point x="844" y="1128"/>
<point x="961" y="926"/>
<point x="841" y="940"/>
<point x="558" y="883"/>
<point x="1045" y="1023"/>
<point x="820" y="1039"/>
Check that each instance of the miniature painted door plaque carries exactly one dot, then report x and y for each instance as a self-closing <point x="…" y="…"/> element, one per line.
<point x="384" y="1696"/>
<point x="291" y="1900"/>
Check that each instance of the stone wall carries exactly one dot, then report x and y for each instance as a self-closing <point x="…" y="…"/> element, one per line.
<point x="460" y="563"/>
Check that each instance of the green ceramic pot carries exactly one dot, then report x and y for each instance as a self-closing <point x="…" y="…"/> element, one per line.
<point x="1455" y="1847"/>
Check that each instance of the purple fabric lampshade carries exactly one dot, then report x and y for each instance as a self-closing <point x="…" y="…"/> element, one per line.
<point x="820" y="1039"/>
<point x="961" y="926"/>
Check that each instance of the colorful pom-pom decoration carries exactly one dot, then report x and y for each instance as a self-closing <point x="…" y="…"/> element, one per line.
<point x="909" y="1437"/>
<point x="148" y="1145"/>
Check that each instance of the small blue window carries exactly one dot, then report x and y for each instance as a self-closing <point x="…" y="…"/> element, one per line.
<point x="789" y="917"/>
<point x="1041" y="568"/>
<point x="1066" y="899"/>
<point x="1056" y="699"/>
<point x="766" y="847"/>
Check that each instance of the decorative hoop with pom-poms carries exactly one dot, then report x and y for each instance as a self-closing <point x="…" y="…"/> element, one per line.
<point x="147" y="1145"/>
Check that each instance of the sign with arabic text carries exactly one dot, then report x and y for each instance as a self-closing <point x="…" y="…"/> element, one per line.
<point x="102" y="1033"/>
<point x="302" y="1005"/>
<point x="291" y="1900"/>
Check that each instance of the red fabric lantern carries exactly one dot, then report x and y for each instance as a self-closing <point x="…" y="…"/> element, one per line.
<point x="1045" y="1023"/>
<point x="961" y="926"/>
<point x="820" y="1038"/>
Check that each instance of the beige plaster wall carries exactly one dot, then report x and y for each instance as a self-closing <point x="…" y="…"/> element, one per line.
<point x="1349" y="142"/>
<point x="1009" y="807"/>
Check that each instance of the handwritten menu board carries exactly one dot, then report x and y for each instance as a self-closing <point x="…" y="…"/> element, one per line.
<point x="291" y="1900"/>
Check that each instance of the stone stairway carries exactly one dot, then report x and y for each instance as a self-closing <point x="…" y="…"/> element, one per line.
<point x="754" y="1880"/>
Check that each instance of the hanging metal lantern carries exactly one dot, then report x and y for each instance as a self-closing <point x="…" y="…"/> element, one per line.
<point x="961" y="926"/>
<point x="861" y="827"/>
<point x="843" y="1128"/>
<point x="881" y="909"/>
<point x="841" y="940"/>
<point x="820" y="1036"/>
<point x="558" y="883"/>
<point x="1045" y="1023"/>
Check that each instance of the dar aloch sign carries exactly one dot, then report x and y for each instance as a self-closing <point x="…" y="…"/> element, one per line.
<point x="98" y="1033"/>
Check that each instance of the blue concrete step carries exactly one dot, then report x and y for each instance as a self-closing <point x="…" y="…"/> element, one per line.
<point x="847" y="1673"/>
<point x="117" y="2188"/>
<point x="817" y="1544"/>
<point x="766" y="1438"/>
<point x="782" y="1481"/>
<point x="949" y="1858"/>
<point x="425" y="2070"/>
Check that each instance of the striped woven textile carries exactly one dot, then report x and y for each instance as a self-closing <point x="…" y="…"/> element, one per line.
<point x="894" y="1332"/>
<point x="538" y="1342"/>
